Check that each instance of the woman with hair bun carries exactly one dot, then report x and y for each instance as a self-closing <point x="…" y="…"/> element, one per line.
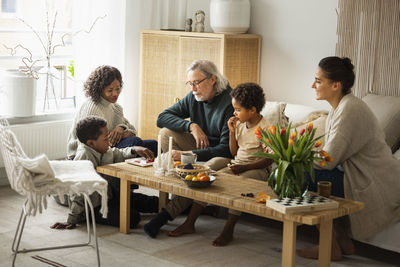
<point x="362" y="167"/>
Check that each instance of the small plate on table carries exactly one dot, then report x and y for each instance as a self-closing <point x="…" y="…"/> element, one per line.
<point x="142" y="162"/>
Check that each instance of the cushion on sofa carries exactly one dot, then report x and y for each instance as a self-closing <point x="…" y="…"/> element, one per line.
<point x="274" y="112"/>
<point x="318" y="121"/>
<point x="298" y="114"/>
<point x="387" y="111"/>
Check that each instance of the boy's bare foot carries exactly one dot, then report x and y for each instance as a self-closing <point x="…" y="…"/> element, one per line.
<point x="68" y="226"/>
<point x="312" y="252"/>
<point x="222" y="240"/>
<point x="182" y="230"/>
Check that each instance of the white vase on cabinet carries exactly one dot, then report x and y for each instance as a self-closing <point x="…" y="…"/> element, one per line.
<point x="230" y="16"/>
<point x="19" y="91"/>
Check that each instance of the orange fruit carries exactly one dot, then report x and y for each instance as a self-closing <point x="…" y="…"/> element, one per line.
<point x="200" y="174"/>
<point x="204" y="178"/>
<point x="176" y="163"/>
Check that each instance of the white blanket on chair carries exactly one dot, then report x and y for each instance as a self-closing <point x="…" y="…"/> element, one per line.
<point x="41" y="177"/>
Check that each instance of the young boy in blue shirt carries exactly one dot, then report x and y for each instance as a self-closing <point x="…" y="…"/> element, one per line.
<point x="94" y="145"/>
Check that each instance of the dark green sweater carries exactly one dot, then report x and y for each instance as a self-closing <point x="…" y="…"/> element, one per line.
<point x="211" y="116"/>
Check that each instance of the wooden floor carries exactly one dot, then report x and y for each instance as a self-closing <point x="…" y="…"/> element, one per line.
<point x="257" y="242"/>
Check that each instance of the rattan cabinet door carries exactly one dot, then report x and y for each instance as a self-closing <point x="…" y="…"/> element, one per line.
<point x="159" y="80"/>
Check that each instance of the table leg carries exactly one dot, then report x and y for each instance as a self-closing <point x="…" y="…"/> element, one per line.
<point x="162" y="200"/>
<point x="325" y="243"/>
<point x="125" y="206"/>
<point x="289" y="243"/>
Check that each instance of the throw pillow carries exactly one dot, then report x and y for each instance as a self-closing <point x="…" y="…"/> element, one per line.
<point x="387" y="111"/>
<point x="318" y="121"/>
<point x="274" y="112"/>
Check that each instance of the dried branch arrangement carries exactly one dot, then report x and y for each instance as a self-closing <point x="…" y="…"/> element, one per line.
<point x="49" y="45"/>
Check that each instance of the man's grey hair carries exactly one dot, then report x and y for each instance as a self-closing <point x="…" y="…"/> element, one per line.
<point x="209" y="69"/>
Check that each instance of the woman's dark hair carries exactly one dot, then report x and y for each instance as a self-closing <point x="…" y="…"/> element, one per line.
<point x="249" y="95"/>
<point x="339" y="70"/>
<point x="99" y="79"/>
<point x="89" y="128"/>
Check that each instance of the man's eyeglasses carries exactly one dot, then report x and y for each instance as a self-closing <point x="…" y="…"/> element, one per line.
<point x="195" y="83"/>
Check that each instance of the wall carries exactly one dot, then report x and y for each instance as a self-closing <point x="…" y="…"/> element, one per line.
<point x="295" y="36"/>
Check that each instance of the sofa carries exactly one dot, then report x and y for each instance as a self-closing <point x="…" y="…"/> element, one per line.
<point x="387" y="111"/>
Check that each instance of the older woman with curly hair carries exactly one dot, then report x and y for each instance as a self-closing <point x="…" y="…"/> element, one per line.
<point x="102" y="89"/>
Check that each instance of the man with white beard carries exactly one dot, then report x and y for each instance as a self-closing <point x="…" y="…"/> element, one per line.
<point x="206" y="134"/>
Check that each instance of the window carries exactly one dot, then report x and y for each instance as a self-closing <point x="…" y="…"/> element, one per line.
<point x="25" y="27"/>
<point x="9" y="6"/>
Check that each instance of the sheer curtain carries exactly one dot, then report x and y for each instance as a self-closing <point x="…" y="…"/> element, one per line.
<point x="369" y="34"/>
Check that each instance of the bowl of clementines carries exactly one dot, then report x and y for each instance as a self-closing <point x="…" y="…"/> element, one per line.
<point x="190" y="169"/>
<point x="199" y="181"/>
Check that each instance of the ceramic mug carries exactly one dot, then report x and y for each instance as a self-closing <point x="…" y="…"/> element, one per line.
<point x="188" y="158"/>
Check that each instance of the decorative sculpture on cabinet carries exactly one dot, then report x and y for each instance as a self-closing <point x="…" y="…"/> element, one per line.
<point x="199" y="18"/>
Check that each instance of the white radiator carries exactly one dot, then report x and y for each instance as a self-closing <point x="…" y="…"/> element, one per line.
<point x="48" y="138"/>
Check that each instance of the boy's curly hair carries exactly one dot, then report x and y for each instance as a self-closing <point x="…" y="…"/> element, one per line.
<point x="99" y="79"/>
<point x="89" y="128"/>
<point x="249" y="95"/>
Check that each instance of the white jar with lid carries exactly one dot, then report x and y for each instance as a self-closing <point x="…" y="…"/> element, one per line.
<point x="18" y="93"/>
<point x="230" y="16"/>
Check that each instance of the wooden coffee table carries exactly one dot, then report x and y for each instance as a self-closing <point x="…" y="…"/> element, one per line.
<point x="226" y="192"/>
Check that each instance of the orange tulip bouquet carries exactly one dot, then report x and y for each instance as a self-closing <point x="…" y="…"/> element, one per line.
<point x="294" y="154"/>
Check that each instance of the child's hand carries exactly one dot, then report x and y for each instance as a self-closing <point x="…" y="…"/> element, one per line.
<point x="62" y="226"/>
<point x="143" y="152"/>
<point x="238" y="168"/>
<point x="232" y="123"/>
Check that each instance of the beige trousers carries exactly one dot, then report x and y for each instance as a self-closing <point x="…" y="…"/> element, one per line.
<point x="185" y="141"/>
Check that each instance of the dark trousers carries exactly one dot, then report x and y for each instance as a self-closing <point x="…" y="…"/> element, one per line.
<point x="137" y="141"/>
<point x="334" y="176"/>
<point x="139" y="203"/>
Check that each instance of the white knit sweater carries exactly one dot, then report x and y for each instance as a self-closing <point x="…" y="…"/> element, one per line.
<point x="111" y="112"/>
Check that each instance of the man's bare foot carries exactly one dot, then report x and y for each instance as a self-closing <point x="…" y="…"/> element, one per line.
<point x="312" y="252"/>
<point x="222" y="240"/>
<point x="182" y="230"/>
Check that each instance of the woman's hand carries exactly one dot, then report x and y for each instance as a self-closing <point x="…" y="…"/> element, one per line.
<point x="232" y="123"/>
<point x="115" y="135"/>
<point x="143" y="152"/>
<point x="200" y="137"/>
<point x="127" y="134"/>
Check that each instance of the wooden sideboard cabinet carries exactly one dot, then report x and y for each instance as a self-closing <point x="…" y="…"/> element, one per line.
<point x="165" y="55"/>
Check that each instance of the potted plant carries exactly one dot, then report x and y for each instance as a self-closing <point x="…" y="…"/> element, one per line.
<point x="294" y="154"/>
